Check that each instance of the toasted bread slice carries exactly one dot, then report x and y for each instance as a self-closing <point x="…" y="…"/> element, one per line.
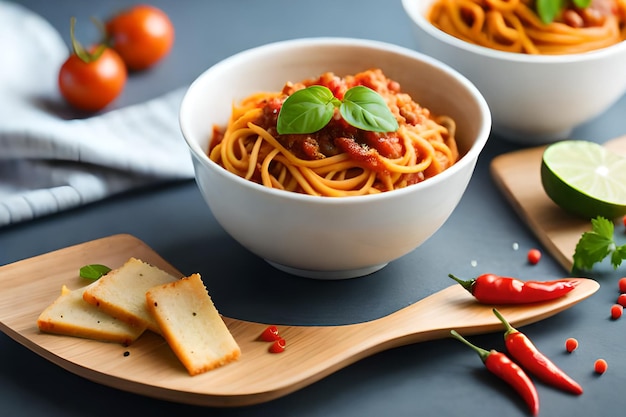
<point x="192" y="325"/>
<point x="122" y="292"/>
<point x="70" y="315"/>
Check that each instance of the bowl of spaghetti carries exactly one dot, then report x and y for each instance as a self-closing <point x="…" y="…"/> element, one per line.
<point x="542" y="71"/>
<point x="390" y="142"/>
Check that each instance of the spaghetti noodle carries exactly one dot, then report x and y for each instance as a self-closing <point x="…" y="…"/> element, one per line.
<point x="339" y="159"/>
<point x="514" y="26"/>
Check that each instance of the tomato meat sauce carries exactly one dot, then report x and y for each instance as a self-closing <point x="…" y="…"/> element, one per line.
<point x="367" y="148"/>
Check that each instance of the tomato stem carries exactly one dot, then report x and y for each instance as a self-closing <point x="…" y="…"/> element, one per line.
<point x="79" y="50"/>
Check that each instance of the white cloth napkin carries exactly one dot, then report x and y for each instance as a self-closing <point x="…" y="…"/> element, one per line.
<point x="49" y="164"/>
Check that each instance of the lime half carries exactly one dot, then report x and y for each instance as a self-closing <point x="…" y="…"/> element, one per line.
<point x="585" y="178"/>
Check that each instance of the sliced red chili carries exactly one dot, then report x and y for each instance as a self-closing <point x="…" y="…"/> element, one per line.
<point x="500" y="365"/>
<point x="495" y="289"/>
<point x="278" y="346"/>
<point x="270" y="334"/>
<point x="522" y="349"/>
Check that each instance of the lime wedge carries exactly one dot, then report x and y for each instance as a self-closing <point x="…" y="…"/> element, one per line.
<point x="585" y="179"/>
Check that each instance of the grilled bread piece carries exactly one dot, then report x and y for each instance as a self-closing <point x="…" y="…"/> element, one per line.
<point x="70" y="315"/>
<point x="122" y="292"/>
<point x="192" y="325"/>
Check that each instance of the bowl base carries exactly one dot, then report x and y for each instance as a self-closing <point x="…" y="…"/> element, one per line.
<point x="530" y="138"/>
<point x="328" y="275"/>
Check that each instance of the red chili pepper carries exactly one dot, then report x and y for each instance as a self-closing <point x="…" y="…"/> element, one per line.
<point x="500" y="365"/>
<point x="522" y="349"/>
<point x="494" y="289"/>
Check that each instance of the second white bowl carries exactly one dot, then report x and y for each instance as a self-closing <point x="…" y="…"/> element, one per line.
<point x="533" y="99"/>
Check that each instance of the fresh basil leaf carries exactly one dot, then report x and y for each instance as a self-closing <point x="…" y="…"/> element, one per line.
<point x="582" y="3"/>
<point x="306" y="111"/>
<point x="310" y="109"/>
<point x="93" y="271"/>
<point x="548" y="10"/>
<point x="365" y="109"/>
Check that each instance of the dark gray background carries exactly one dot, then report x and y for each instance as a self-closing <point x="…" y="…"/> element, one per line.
<point x="438" y="378"/>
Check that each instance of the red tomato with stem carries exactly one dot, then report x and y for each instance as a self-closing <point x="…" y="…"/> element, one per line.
<point x="90" y="80"/>
<point x="142" y="35"/>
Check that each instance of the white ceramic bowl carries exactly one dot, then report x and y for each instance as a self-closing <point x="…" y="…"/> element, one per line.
<point x="324" y="237"/>
<point x="533" y="99"/>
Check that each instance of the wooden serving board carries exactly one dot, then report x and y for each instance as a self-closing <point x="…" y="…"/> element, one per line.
<point x="518" y="175"/>
<point x="148" y="366"/>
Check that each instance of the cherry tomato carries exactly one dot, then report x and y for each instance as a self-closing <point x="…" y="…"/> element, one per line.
<point x="90" y="80"/>
<point x="142" y="35"/>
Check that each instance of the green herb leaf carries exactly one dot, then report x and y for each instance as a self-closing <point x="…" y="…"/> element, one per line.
<point x="93" y="271"/>
<point x="310" y="109"/>
<point x="596" y="245"/>
<point x="618" y="256"/>
<point x="548" y="10"/>
<point x="365" y="109"/>
<point x="582" y="3"/>
<point x="307" y="110"/>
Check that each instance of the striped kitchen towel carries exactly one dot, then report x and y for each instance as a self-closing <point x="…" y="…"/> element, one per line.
<point x="49" y="163"/>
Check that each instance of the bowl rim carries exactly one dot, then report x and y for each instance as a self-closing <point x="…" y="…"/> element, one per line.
<point x="468" y="157"/>
<point x="411" y="9"/>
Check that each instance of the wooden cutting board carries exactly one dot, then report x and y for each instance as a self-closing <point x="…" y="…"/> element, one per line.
<point x="518" y="175"/>
<point x="149" y="367"/>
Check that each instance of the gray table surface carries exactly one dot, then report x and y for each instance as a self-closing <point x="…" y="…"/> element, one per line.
<point x="438" y="378"/>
